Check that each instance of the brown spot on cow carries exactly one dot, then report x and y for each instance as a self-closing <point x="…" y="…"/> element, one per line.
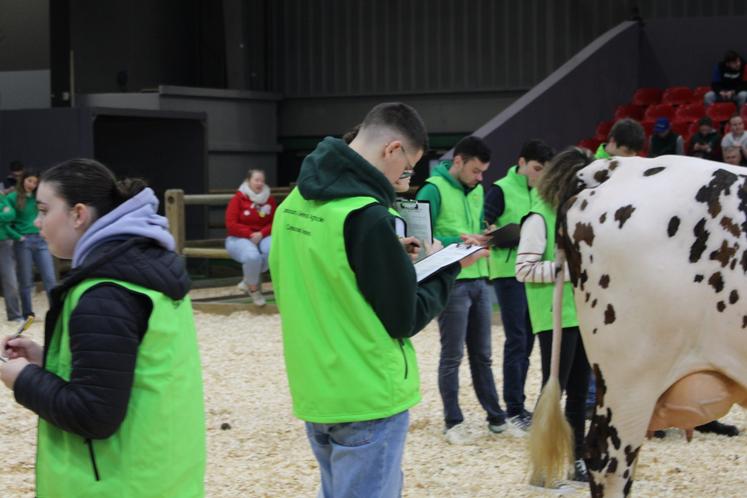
<point x="743" y="262"/>
<point x="710" y="194"/>
<point x="622" y="214"/>
<point x="733" y="264"/>
<point x="601" y="385"/>
<point x="653" y="171"/>
<point x="583" y="278"/>
<point x="583" y="205"/>
<point x="698" y="278"/>
<point x="613" y="165"/>
<point x="631" y="454"/>
<point x="674" y="224"/>
<point x="609" y="315"/>
<point x="584" y="232"/>
<point x="744" y="322"/>
<point x="603" y="218"/>
<point x="717" y="282"/>
<point x="594" y="303"/>
<point x="595" y="330"/>
<point x="701" y="240"/>
<point x="730" y="226"/>
<point x="586" y="298"/>
<point x="720" y="306"/>
<point x="602" y="175"/>
<point x="724" y="253"/>
<point x="604" y="282"/>
<point x="733" y="296"/>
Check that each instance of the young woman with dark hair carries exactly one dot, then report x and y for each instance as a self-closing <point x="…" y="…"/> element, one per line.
<point x="117" y="384"/>
<point x="30" y="247"/>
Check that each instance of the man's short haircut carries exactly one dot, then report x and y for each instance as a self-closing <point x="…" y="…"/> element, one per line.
<point x="731" y="55"/>
<point x="537" y="150"/>
<point x="471" y="147"/>
<point x="628" y="133"/>
<point x="401" y="118"/>
<point x="350" y="135"/>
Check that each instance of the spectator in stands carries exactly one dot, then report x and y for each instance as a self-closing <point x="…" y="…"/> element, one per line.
<point x="507" y="202"/>
<point x="626" y="138"/>
<point x="30" y="248"/>
<point x="706" y="142"/>
<point x="16" y="172"/>
<point x="736" y="136"/>
<point x="733" y="155"/>
<point x="249" y="218"/>
<point x="664" y="140"/>
<point x="729" y="81"/>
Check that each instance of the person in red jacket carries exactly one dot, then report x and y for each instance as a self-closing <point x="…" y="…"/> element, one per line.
<point x="249" y="224"/>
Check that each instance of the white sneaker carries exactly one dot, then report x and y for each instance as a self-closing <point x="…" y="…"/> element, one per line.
<point x="243" y="288"/>
<point x="519" y="424"/>
<point x="457" y="434"/>
<point x="257" y="297"/>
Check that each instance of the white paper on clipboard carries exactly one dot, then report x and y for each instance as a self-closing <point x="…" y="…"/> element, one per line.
<point x="443" y="258"/>
<point x="418" y="223"/>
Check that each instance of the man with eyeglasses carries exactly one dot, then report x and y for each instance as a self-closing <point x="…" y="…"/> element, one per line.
<point x="456" y="199"/>
<point x="349" y="302"/>
<point x="507" y="202"/>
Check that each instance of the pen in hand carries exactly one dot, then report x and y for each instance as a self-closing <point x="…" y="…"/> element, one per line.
<point x="24" y="327"/>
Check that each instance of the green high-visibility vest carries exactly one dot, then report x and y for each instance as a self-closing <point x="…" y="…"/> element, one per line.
<point x="539" y="295"/>
<point x="460" y="214"/>
<point x="517" y="201"/>
<point x="159" y="449"/>
<point x="341" y="363"/>
<point x="601" y="152"/>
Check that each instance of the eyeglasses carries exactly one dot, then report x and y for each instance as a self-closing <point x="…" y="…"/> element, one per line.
<point x="410" y="169"/>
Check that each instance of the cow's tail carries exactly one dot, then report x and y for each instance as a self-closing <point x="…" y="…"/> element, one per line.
<point x="550" y="438"/>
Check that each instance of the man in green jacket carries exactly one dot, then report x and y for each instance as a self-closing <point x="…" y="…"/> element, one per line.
<point x="456" y="199"/>
<point x="349" y="302"/>
<point x="507" y="202"/>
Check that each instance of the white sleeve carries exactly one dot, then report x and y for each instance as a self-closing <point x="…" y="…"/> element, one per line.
<point x="529" y="264"/>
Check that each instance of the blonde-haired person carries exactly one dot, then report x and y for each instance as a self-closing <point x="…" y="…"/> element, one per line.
<point x="249" y="218"/>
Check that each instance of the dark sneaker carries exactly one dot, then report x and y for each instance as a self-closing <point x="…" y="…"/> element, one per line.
<point x="520" y="423"/>
<point x="579" y="472"/>
<point x="526" y="414"/>
<point x="719" y="428"/>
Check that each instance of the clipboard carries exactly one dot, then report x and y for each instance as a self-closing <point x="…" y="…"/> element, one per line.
<point x="505" y="237"/>
<point x="443" y="258"/>
<point x="418" y="223"/>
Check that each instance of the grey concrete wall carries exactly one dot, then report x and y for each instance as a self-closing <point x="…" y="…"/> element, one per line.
<point x="24" y="89"/>
<point x="566" y="105"/>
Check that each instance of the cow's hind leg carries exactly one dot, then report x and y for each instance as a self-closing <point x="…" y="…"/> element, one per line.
<point x="615" y="436"/>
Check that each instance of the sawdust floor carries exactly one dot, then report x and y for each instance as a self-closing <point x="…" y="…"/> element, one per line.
<point x="265" y="452"/>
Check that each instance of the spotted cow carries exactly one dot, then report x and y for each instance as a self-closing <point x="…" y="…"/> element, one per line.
<point x="657" y="254"/>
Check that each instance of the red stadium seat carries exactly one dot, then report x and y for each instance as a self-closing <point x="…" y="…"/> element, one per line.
<point x="699" y="92"/>
<point x="744" y="113"/>
<point x="721" y="111"/>
<point x="677" y="95"/>
<point x="603" y="130"/>
<point x="648" y="127"/>
<point x="647" y="96"/>
<point x="690" y="112"/>
<point x="682" y="128"/>
<point x="629" y="111"/>
<point x="659" y="111"/>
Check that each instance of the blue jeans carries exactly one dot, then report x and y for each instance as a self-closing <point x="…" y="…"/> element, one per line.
<point x="517" y="349"/>
<point x="9" y="280"/>
<point x="33" y="251"/>
<point x="466" y="320"/>
<point x="360" y="459"/>
<point x="253" y="259"/>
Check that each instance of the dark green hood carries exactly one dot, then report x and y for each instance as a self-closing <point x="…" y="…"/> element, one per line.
<point x="334" y="171"/>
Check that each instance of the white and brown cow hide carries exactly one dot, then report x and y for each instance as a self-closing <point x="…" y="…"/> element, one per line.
<point x="657" y="250"/>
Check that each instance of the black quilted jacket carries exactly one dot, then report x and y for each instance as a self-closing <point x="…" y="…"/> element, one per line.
<point x="106" y="328"/>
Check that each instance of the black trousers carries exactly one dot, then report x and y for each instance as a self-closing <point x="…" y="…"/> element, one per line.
<point x="574" y="378"/>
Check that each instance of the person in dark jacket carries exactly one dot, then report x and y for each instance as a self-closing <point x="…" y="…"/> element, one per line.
<point x="665" y="141"/>
<point x="117" y="385"/>
<point x="706" y="142"/>
<point x="729" y="81"/>
<point x="349" y="301"/>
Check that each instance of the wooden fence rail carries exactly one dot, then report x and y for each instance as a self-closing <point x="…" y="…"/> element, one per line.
<point x="176" y="199"/>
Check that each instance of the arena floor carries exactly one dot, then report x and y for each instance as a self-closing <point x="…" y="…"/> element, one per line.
<point x="265" y="453"/>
